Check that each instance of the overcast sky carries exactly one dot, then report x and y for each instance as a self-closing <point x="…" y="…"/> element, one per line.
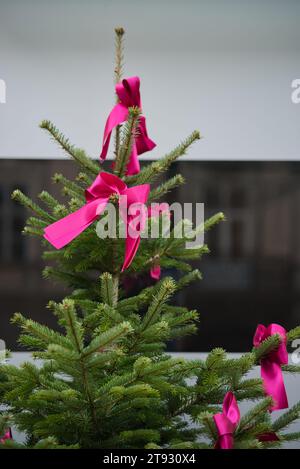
<point x="223" y="67"/>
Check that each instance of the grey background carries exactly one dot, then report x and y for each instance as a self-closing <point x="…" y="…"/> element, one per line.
<point x="225" y="67"/>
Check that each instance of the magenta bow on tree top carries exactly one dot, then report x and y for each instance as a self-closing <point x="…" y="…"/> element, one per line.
<point x="227" y="421"/>
<point x="97" y="196"/>
<point x="271" y="372"/>
<point x="128" y="92"/>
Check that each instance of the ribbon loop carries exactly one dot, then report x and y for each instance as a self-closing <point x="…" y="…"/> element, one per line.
<point x="271" y="371"/>
<point x="128" y="92"/>
<point x="227" y="422"/>
<point x="104" y="186"/>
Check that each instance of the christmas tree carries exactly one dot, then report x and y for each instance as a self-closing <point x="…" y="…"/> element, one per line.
<point x="103" y="379"/>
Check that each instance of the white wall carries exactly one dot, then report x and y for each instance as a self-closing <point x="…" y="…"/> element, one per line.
<point x="224" y="67"/>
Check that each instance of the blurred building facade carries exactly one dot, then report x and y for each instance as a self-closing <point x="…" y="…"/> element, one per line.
<point x="252" y="274"/>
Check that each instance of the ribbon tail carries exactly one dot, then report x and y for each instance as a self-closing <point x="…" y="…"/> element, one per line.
<point x="143" y="142"/>
<point x="225" y="430"/>
<point x="63" y="231"/>
<point x="271" y="374"/>
<point x="135" y="197"/>
<point x="133" y="166"/>
<point x="226" y="442"/>
<point x="118" y="115"/>
<point x="131" y="247"/>
<point x="155" y="272"/>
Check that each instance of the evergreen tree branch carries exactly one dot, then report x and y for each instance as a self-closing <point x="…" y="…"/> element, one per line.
<point x="49" y="200"/>
<point x="109" y="289"/>
<point x="167" y="288"/>
<point x="69" y="187"/>
<point x="107" y="338"/>
<point x="129" y="130"/>
<point x="287" y="418"/>
<point x="119" y="53"/>
<point x="166" y="187"/>
<point x="76" y="153"/>
<point x="28" y="203"/>
<point x="151" y="172"/>
<point x="293" y="334"/>
<point x="267" y="346"/>
<point x="119" y="58"/>
<point x="84" y="179"/>
<point x="254" y="413"/>
<point x="295" y="436"/>
<point x="188" y="278"/>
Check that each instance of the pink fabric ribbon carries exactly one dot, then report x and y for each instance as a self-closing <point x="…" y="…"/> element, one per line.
<point x="128" y="92"/>
<point x="7" y="436"/>
<point x="227" y="422"/>
<point x="97" y="196"/>
<point x="267" y="436"/>
<point x="155" y="272"/>
<point x="271" y="372"/>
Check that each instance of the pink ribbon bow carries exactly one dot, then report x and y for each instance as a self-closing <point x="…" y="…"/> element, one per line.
<point x="7" y="436"/>
<point x="227" y="422"/>
<point x="97" y="196"/>
<point x="128" y="92"/>
<point x="271" y="372"/>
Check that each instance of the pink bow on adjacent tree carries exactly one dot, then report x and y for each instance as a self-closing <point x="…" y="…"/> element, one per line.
<point x="7" y="436"/>
<point x="227" y="422"/>
<point x="271" y="372"/>
<point x="267" y="436"/>
<point x="128" y="92"/>
<point x="97" y="196"/>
